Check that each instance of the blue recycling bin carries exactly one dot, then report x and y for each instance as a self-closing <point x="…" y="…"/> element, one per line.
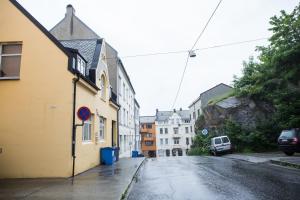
<point x="107" y="156"/>
<point x="135" y="154"/>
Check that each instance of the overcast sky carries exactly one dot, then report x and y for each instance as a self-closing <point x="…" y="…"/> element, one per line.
<point x="139" y="27"/>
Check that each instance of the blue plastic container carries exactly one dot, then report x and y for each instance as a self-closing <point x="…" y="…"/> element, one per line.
<point x="135" y="154"/>
<point x="107" y="156"/>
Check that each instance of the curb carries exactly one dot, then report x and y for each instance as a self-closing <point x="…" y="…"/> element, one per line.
<point x="284" y="163"/>
<point x="125" y="193"/>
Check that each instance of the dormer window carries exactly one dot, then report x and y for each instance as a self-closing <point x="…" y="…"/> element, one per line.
<point x="81" y="65"/>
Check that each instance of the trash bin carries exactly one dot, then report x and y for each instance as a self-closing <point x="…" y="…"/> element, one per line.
<point x="116" y="150"/>
<point x="107" y="155"/>
<point x="135" y="154"/>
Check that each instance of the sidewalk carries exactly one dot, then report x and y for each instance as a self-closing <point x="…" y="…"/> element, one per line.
<point x="101" y="183"/>
<point x="273" y="157"/>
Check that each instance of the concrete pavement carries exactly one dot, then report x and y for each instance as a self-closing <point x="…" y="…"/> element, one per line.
<point x="214" y="178"/>
<point x="102" y="182"/>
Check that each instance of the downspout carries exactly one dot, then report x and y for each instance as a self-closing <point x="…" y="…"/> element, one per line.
<point x="74" y="125"/>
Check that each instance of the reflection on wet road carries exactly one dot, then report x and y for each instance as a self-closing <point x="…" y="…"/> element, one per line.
<point x="188" y="178"/>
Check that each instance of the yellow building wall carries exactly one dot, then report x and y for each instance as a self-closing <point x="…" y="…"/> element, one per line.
<point x="35" y="111"/>
<point x="87" y="153"/>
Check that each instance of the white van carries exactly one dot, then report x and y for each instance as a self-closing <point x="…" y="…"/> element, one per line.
<point x="219" y="145"/>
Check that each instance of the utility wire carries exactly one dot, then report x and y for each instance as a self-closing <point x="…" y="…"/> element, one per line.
<point x="186" y="51"/>
<point x="187" y="60"/>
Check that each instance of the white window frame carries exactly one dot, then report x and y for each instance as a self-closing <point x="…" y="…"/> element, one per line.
<point x="102" y="128"/>
<point x="87" y="123"/>
<point x="8" y="55"/>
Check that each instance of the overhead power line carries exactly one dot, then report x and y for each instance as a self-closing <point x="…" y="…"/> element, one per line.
<point x="195" y="43"/>
<point x="198" y="49"/>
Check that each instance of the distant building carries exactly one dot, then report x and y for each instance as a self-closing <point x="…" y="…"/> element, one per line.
<point x="72" y="28"/>
<point x="174" y="132"/>
<point x="148" y="135"/>
<point x="137" y="139"/>
<point x="196" y="108"/>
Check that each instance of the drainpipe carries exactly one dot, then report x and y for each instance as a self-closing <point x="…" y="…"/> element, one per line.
<point x="74" y="125"/>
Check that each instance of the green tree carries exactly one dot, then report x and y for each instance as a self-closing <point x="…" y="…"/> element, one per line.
<point x="275" y="77"/>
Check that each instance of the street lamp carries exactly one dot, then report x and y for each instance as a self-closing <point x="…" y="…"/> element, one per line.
<point x="192" y="53"/>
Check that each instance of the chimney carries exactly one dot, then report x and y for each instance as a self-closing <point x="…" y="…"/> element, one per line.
<point x="180" y="109"/>
<point x="156" y="110"/>
<point x="70" y="11"/>
<point x="174" y="110"/>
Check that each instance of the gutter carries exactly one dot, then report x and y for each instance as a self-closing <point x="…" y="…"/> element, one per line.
<point x="73" y="123"/>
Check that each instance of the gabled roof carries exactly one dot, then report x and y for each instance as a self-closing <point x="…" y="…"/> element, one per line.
<point x="206" y="91"/>
<point x="147" y="119"/>
<point x="40" y="26"/>
<point x="165" y="115"/>
<point x="89" y="48"/>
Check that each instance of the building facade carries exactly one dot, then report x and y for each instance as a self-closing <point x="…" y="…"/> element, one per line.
<point x="148" y="136"/>
<point x="43" y="82"/>
<point x="72" y="28"/>
<point x="174" y="132"/>
<point x="126" y="96"/>
<point x="196" y="108"/>
<point x="137" y="140"/>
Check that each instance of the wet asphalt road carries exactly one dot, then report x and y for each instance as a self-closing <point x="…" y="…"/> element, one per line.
<point x="187" y="178"/>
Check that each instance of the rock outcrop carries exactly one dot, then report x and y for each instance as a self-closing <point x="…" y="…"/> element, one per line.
<point x="243" y="111"/>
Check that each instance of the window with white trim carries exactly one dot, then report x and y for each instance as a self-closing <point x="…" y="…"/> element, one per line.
<point x="102" y="87"/>
<point x="87" y="130"/>
<point x="101" y="128"/>
<point x="10" y="60"/>
<point x="81" y="66"/>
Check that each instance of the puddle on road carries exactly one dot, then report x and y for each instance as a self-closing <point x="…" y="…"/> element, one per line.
<point x="109" y="172"/>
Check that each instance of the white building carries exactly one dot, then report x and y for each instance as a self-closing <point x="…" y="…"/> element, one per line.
<point x="137" y="139"/>
<point x="196" y="108"/>
<point x="173" y="133"/>
<point x="127" y="126"/>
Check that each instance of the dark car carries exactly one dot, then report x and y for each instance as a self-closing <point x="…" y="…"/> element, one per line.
<point x="289" y="141"/>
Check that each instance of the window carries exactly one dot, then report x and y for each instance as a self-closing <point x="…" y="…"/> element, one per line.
<point x="218" y="141"/>
<point x="149" y="143"/>
<point x="166" y="141"/>
<point x="194" y="115"/>
<point x="176" y="140"/>
<point x="124" y="91"/>
<point x="101" y="128"/>
<point x="168" y="152"/>
<point x="87" y="130"/>
<point x="166" y="130"/>
<point x="198" y="112"/>
<point x="161" y="141"/>
<point x="187" y="141"/>
<point x="161" y="130"/>
<point x="149" y="125"/>
<point x="119" y="86"/>
<point x="186" y="129"/>
<point x="10" y="60"/>
<point x="175" y="130"/>
<point x="225" y="139"/>
<point x="124" y="119"/>
<point x="102" y="87"/>
<point x="81" y="65"/>
<point x="148" y="135"/>
<point x="191" y="129"/>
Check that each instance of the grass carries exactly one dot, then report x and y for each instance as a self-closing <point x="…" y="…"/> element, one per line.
<point x="220" y="98"/>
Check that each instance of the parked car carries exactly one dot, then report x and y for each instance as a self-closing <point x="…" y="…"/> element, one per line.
<point x="220" y="145"/>
<point x="289" y="141"/>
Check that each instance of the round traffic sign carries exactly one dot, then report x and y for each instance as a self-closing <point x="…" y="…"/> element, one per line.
<point x="84" y="113"/>
<point x="204" y="132"/>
